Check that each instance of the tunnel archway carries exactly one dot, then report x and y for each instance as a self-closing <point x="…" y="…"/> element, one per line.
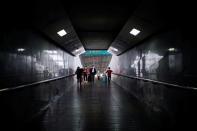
<point x="99" y="58"/>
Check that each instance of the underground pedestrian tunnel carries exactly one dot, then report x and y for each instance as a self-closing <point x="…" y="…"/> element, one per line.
<point x="149" y="45"/>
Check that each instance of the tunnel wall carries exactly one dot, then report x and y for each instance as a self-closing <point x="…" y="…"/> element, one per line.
<point x="155" y="59"/>
<point x="22" y="105"/>
<point x="21" y="67"/>
<point x="168" y="56"/>
<point x="26" y="106"/>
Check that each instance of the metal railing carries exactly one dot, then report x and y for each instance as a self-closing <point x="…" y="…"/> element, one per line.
<point x="34" y="83"/>
<point x="157" y="82"/>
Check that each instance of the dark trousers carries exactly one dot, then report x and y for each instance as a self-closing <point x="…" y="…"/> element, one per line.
<point x="92" y="77"/>
<point x="79" y="80"/>
<point x="109" y="78"/>
<point x="85" y="77"/>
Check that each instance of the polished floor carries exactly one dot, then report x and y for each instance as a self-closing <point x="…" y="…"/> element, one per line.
<point x="98" y="106"/>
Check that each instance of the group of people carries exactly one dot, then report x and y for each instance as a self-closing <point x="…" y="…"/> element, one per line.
<point x="88" y="74"/>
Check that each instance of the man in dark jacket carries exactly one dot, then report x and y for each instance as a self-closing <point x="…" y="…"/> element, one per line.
<point x="79" y="73"/>
<point x="92" y="73"/>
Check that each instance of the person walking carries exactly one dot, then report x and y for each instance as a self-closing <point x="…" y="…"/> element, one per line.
<point x="79" y="72"/>
<point x="109" y="72"/>
<point x="85" y="73"/>
<point x="92" y="73"/>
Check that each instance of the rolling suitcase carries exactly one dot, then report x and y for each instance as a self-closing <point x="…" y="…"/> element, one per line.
<point x="89" y="78"/>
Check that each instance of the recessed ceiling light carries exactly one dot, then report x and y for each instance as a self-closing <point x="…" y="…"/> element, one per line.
<point x="76" y="50"/>
<point x="62" y="33"/>
<point x="114" y="49"/>
<point x="171" y="49"/>
<point x="50" y="51"/>
<point x="20" y="49"/>
<point x="134" y="31"/>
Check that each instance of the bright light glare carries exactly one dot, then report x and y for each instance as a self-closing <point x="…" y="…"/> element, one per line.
<point x="101" y="74"/>
<point x="152" y="61"/>
<point x="171" y="49"/>
<point x="62" y="33"/>
<point x="82" y="52"/>
<point x="20" y="49"/>
<point x="76" y="50"/>
<point x="50" y="51"/>
<point x="114" y="49"/>
<point x="134" y="32"/>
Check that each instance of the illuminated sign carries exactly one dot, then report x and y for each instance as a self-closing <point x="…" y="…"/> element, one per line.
<point x="96" y="52"/>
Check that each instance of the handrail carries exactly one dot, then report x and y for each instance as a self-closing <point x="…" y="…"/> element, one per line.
<point x="35" y="83"/>
<point x="157" y="82"/>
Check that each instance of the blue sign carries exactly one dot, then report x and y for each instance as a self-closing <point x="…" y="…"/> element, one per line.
<point x="96" y="52"/>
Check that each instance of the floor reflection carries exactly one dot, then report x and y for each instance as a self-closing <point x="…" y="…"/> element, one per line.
<point x="98" y="107"/>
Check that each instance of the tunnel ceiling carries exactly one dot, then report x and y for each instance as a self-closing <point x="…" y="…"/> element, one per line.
<point x="45" y="17"/>
<point x="51" y="18"/>
<point x="98" y="23"/>
<point x="92" y="25"/>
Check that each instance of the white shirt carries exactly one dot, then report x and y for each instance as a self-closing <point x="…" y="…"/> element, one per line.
<point x="93" y="69"/>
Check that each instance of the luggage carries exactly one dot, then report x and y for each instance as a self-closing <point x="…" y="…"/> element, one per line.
<point x="98" y="77"/>
<point x="104" y="78"/>
<point x="89" y="78"/>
